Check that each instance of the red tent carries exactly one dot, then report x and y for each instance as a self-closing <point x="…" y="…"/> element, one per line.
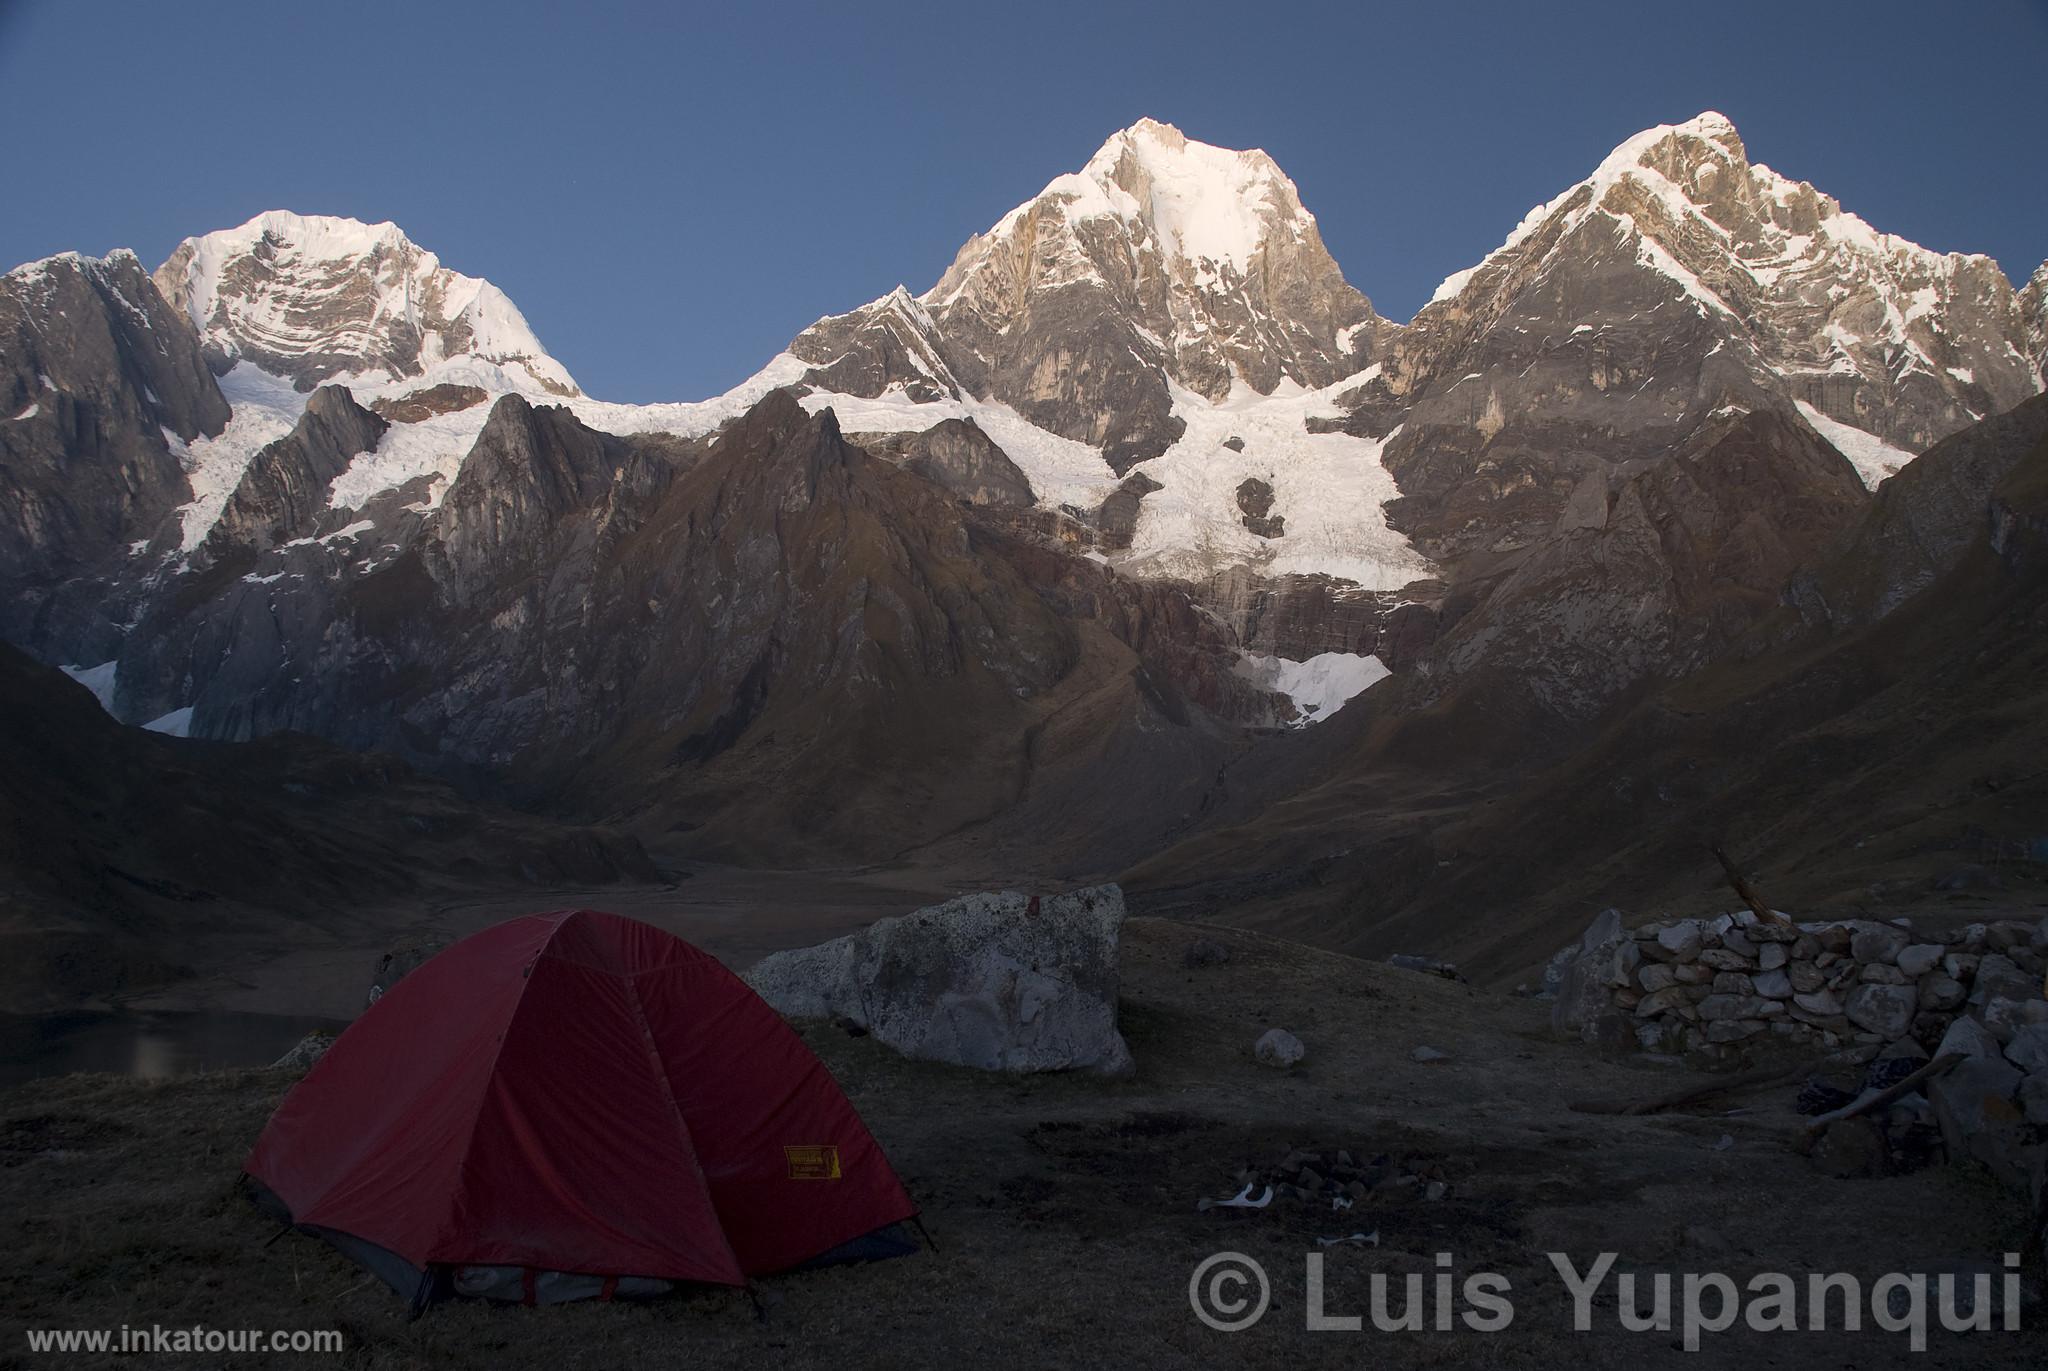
<point x="575" y="1092"/>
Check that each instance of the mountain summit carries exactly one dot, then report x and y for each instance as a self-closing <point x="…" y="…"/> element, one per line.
<point x="318" y="299"/>
<point x="1162" y="263"/>
<point x="1885" y="345"/>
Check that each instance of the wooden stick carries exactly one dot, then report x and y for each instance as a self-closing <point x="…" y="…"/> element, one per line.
<point x="1749" y="1080"/>
<point x="1746" y="891"/>
<point x="1863" y="1104"/>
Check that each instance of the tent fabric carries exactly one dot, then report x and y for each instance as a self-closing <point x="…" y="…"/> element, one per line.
<point x="578" y="1092"/>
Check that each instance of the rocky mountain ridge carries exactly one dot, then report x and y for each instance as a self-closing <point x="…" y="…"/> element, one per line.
<point x="1139" y="444"/>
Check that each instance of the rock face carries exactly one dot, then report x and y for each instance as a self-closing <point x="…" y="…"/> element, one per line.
<point x="1920" y="523"/>
<point x="101" y="389"/>
<point x="283" y="493"/>
<point x="1589" y="466"/>
<point x="1161" y="262"/>
<point x="1657" y="568"/>
<point x="999" y="982"/>
<point x="316" y="298"/>
<point x="957" y="455"/>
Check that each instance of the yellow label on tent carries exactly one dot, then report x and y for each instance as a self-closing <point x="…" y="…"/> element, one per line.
<point x="813" y="1162"/>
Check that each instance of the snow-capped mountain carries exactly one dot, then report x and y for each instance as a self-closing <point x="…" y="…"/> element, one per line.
<point x="1885" y="345"/>
<point x="1169" y="307"/>
<point x="317" y="299"/>
<point x="1163" y="263"/>
<point x="1590" y="460"/>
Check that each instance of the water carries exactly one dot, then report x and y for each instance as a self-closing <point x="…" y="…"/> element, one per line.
<point x="147" y="1046"/>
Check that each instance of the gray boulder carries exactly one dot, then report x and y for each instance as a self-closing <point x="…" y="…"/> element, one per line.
<point x="1278" y="1047"/>
<point x="1586" y="993"/>
<point x="1973" y="1103"/>
<point x="999" y="981"/>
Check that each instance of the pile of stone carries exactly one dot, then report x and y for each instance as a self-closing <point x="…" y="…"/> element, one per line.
<point x="1882" y="998"/>
<point x="1334" y="1181"/>
<point x="1710" y="986"/>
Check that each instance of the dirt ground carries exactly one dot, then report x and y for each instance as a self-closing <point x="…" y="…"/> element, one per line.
<point x="1064" y="1207"/>
<point x="738" y="914"/>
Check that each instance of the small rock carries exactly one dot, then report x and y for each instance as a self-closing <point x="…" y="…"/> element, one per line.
<point x="1733" y="983"/>
<point x="1716" y="1007"/>
<point x="1969" y="876"/>
<point x="1428" y="1054"/>
<point x="1876" y="943"/>
<point x="1970" y="1038"/>
<point x="1668" y="1000"/>
<point x="1278" y="1047"/>
<point x="1940" y="992"/>
<point x="1739" y="944"/>
<point x="304" y="1053"/>
<point x="1429" y="966"/>
<point x="1692" y="973"/>
<point x="1772" y="985"/>
<point x="1435" y="1190"/>
<point x="1681" y="941"/>
<point x="1920" y="958"/>
<point x="1806" y="977"/>
<point x="1877" y="973"/>
<point x="1886" y="1010"/>
<point x="1961" y="966"/>
<point x="2007" y="934"/>
<point x="1655" y="976"/>
<point x="1997" y="975"/>
<point x="1823" y="1002"/>
<point x="2006" y="1016"/>
<point x="1721" y="959"/>
<point x="1771" y="956"/>
<point x="2028" y="1049"/>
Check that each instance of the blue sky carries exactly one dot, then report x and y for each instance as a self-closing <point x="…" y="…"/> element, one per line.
<point x="670" y="192"/>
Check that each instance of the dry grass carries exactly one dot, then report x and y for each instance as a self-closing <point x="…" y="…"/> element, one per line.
<point x="1063" y="1206"/>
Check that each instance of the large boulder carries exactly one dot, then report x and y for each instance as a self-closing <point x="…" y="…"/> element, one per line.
<point x="1000" y="981"/>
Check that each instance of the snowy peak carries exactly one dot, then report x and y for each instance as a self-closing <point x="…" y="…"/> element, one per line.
<point x="1163" y="267"/>
<point x="316" y="299"/>
<point x="1872" y="330"/>
<point x="1208" y="206"/>
<point x="1206" y="252"/>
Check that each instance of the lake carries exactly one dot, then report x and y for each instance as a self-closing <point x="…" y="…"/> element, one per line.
<point x="147" y="1045"/>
